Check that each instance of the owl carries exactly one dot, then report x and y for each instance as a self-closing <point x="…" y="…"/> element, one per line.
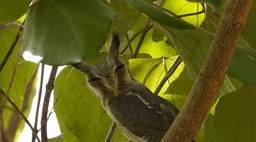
<point x="140" y="115"/>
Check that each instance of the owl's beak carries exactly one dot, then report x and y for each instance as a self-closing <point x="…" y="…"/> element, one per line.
<point x="112" y="84"/>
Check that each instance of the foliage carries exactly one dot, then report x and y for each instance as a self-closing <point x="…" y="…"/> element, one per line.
<point x="153" y="34"/>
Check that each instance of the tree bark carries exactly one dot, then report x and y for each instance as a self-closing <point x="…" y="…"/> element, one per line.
<point x="211" y="76"/>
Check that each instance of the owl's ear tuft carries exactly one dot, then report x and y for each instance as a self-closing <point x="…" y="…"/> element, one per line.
<point x="114" y="46"/>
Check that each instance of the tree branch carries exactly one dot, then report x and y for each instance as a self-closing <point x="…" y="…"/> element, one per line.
<point x="212" y="74"/>
<point x="44" y="118"/>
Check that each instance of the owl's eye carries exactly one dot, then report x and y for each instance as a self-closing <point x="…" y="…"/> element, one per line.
<point x="93" y="79"/>
<point x="119" y="67"/>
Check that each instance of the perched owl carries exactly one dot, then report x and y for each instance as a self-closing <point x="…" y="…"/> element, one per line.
<point x="141" y="115"/>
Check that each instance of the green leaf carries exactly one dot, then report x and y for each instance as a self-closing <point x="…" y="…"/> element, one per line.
<point x="11" y="10"/>
<point x="79" y="112"/>
<point x="179" y="88"/>
<point x="126" y="19"/>
<point x="235" y="116"/>
<point x="243" y="64"/>
<point x="157" y="15"/>
<point x="62" y="32"/>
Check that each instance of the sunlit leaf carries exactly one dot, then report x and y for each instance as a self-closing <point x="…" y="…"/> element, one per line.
<point x="189" y="12"/>
<point x="151" y="71"/>
<point x="62" y="32"/>
<point x="15" y="76"/>
<point x="147" y="69"/>
<point x="235" y="116"/>
<point x="155" y="49"/>
<point x="157" y="15"/>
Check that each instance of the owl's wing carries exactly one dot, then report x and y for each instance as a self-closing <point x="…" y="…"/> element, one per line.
<point x="143" y="114"/>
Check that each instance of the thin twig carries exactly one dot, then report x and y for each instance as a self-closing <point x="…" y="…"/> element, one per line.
<point x="149" y="70"/>
<point x="2" y="26"/>
<point x="143" y="35"/>
<point x="12" y="78"/>
<point x="129" y="45"/>
<point x="184" y="15"/>
<point x="38" y="101"/>
<point x="49" y="88"/>
<point x="111" y="132"/>
<point x="173" y="68"/>
<point x="20" y="113"/>
<point x="8" y="54"/>
<point x="130" y="41"/>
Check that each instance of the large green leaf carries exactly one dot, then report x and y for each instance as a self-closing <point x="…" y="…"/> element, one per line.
<point x="62" y="32"/>
<point x="79" y="112"/>
<point x="17" y="77"/>
<point x="126" y="19"/>
<point x="235" y="116"/>
<point x="11" y="10"/>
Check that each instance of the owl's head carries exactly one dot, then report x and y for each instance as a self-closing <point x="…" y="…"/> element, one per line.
<point x="107" y="78"/>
